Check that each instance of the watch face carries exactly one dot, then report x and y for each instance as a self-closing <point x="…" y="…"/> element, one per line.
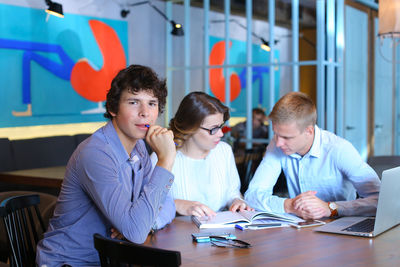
<point x="332" y="205"/>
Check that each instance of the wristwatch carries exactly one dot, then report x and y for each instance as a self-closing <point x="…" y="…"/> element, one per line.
<point x="333" y="208"/>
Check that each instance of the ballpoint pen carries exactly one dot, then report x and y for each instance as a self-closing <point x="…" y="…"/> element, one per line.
<point x="257" y="226"/>
<point x="148" y="126"/>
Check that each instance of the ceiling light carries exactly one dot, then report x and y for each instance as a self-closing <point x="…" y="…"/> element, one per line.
<point x="177" y="28"/>
<point x="54" y="9"/>
<point x="265" y="45"/>
<point x="124" y="13"/>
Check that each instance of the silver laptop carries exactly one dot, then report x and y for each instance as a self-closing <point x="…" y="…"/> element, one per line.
<point x="387" y="213"/>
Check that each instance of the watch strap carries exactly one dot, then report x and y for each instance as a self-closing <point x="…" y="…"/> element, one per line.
<point x="334" y="212"/>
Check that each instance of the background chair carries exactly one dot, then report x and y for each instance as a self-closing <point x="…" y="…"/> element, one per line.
<point x="114" y="252"/>
<point x="280" y="188"/>
<point x="381" y="163"/>
<point x="46" y="208"/>
<point x="21" y="217"/>
<point x="80" y="137"/>
<point x="42" y="152"/>
<point x="248" y="166"/>
<point x="6" y="155"/>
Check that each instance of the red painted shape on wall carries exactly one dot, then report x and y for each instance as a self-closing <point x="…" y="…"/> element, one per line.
<point x="93" y="84"/>
<point x="217" y="79"/>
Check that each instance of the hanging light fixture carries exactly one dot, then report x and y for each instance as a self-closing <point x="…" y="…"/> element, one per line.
<point x="54" y="9"/>
<point x="389" y="18"/>
<point x="177" y="28"/>
<point x="264" y="44"/>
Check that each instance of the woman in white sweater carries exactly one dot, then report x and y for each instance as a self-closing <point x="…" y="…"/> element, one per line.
<point x="206" y="178"/>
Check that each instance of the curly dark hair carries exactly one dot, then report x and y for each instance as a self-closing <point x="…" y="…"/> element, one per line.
<point x="192" y="111"/>
<point x="135" y="78"/>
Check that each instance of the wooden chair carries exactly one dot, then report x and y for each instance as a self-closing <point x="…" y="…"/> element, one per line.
<point x="20" y="214"/>
<point x="114" y="252"/>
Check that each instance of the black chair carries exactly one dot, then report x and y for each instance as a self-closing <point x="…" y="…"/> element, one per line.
<point x="6" y="155"/>
<point x="381" y="163"/>
<point x="80" y="137"/>
<point x="42" y="152"/>
<point x="114" y="252"/>
<point x="20" y="214"/>
<point x="280" y="189"/>
<point x="46" y="208"/>
<point x="252" y="158"/>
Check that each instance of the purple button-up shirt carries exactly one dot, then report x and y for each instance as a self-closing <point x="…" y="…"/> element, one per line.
<point x="105" y="188"/>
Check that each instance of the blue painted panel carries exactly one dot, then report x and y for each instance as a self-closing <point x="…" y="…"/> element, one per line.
<point x="383" y="96"/>
<point x="356" y="78"/>
<point x="54" y="100"/>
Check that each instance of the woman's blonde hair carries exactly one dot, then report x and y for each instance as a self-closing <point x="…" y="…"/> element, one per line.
<point x="294" y="107"/>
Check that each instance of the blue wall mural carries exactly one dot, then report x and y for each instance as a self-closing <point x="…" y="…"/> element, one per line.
<point x="57" y="71"/>
<point x="260" y="76"/>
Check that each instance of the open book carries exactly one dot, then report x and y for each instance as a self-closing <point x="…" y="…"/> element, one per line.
<point x="228" y="219"/>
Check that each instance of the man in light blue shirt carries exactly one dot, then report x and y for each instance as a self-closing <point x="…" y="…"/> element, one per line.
<point x="324" y="172"/>
<point x="109" y="186"/>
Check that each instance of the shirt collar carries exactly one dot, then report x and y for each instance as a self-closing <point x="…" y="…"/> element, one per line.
<point x="315" y="149"/>
<point x="113" y="139"/>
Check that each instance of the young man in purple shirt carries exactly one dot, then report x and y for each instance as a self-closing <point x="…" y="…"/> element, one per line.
<point x="109" y="187"/>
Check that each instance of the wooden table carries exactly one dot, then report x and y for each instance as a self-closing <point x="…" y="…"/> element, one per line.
<point x="281" y="247"/>
<point x="47" y="177"/>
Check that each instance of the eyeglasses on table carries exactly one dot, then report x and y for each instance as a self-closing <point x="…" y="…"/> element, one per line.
<point x="223" y="242"/>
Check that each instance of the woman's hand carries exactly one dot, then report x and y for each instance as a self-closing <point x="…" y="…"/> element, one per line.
<point x="240" y="205"/>
<point x="195" y="208"/>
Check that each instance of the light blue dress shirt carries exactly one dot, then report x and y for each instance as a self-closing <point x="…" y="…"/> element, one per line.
<point x="332" y="167"/>
<point x="100" y="192"/>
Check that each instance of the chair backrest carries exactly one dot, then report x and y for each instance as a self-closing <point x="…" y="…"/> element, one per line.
<point x="80" y="137"/>
<point x="42" y="152"/>
<point x="46" y="208"/>
<point x="19" y="216"/>
<point x="247" y="168"/>
<point x="114" y="252"/>
<point x="381" y="163"/>
<point x="6" y="155"/>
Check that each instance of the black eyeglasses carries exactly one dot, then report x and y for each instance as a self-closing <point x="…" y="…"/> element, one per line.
<point x="223" y="242"/>
<point x="213" y="130"/>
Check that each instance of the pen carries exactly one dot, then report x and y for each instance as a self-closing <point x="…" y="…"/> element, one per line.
<point x="148" y="126"/>
<point x="238" y="226"/>
<point x="257" y="226"/>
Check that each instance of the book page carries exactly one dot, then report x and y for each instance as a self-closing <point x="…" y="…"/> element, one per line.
<point x="222" y="219"/>
<point x="257" y="215"/>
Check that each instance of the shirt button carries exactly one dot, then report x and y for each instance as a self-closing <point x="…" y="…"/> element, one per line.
<point x="171" y="181"/>
<point x="159" y="208"/>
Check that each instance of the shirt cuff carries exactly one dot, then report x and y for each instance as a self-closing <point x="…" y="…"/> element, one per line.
<point x="280" y="204"/>
<point x="162" y="178"/>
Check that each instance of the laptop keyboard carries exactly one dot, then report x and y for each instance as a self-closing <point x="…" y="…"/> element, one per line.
<point x="365" y="226"/>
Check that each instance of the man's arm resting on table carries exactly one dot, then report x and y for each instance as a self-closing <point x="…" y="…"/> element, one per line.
<point x="307" y="206"/>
